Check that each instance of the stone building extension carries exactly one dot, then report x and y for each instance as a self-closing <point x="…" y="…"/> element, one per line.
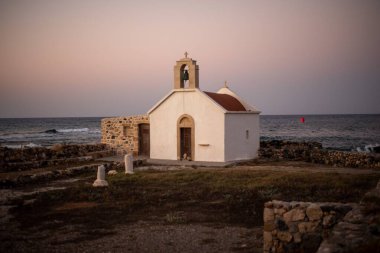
<point x="122" y="133"/>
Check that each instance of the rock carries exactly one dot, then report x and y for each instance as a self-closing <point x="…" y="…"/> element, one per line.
<point x="269" y="226"/>
<point x="268" y="204"/>
<point x="268" y="240"/>
<point x="297" y="237"/>
<point x="281" y="225"/>
<point x="314" y="212"/>
<point x="293" y="227"/>
<point x="307" y="227"/>
<point x="328" y="221"/>
<point x="268" y="214"/>
<point x="112" y="172"/>
<point x="279" y="211"/>
<point x="284" y="236"/>
<point x="51" y="131"/>
<point x="296" y="214"/>
<point x="354" y="216"/>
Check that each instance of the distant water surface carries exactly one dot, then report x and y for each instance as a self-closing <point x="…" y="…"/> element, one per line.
<point x="344" y="132"/>
<point x="34" y="131"/>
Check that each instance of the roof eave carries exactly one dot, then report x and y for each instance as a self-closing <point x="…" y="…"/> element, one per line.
<point x="243" y="112"/>
<point x="167" y="96"/>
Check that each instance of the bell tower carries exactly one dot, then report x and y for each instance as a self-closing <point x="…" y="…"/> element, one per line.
<point x="186" y="73"/>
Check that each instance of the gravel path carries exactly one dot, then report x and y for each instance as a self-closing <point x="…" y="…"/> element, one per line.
<point x="145" y="237"/>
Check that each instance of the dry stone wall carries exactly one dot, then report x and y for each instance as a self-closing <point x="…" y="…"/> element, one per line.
<point x="313" y="152"/>
<point x="299" y="226"/>
<point x="122" y="133"/>
<point x="37" y="157"/>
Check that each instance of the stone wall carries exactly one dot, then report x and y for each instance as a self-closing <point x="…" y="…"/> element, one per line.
<point x="122" y="133"/>
<point x="313" y="152"/>
<point x="36" y="157"/>
<point x="299" y="226"/>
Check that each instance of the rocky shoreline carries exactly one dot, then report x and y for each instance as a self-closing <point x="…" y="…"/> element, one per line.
<point x="314" y="152"/>
<point x="38" y="157"/>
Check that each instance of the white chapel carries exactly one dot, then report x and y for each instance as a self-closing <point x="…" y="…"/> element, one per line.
<point x="196" y="125"/>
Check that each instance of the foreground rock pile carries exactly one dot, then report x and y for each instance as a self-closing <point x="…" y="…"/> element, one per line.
<point x="313" y="152"/>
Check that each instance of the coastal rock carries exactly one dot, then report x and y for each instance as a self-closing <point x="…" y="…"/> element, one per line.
<point x="313" y="152"/>
<point x="51" y="131"/>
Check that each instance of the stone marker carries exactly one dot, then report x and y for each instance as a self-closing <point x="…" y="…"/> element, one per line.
<point x="101" y="176"/>
<point x="112" y="172"/>
<point x="128" y="160"/>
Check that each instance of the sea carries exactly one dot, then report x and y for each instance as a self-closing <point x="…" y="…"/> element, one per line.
<point x="340" y="132"/>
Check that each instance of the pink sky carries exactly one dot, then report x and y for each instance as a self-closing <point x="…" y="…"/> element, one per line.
<point x="109" y="58"/>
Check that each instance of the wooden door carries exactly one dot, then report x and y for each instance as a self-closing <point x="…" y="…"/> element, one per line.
<point x="186" y="143"/>
<point x="144" y="139"/>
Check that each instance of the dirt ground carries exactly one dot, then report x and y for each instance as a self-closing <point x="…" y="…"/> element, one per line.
<point x="161" y="209"/>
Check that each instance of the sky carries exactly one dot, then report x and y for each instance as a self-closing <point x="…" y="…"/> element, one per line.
<point x="115" y="58"/>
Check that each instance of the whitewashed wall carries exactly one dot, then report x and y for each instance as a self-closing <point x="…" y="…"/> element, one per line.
<point x="238" y="146"/>
<point x="208" y="120"/>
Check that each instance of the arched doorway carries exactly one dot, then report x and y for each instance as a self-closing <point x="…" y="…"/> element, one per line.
<point x="185" y="138"/>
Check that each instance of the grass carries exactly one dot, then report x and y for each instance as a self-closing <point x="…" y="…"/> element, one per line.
<point x="214" y="197"/>
<point x="228" y="196"/>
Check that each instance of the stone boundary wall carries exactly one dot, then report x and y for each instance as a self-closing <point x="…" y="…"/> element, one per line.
<point x="36" y="157"/>
<point x="122" y="133"/>
<point x="313" y="152"/>
<point x="26" y="179"/>
<point x="299" y="226"/>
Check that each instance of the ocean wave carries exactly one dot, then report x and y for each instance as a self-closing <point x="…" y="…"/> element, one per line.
<point x="70" y="130"/>
<point x="29" y="145"/>
<point x="370" y="148"/>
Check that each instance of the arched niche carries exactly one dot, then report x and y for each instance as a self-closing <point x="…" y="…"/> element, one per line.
<point x="193" y="70"/>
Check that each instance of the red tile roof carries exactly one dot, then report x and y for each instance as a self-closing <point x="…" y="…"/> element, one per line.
<point x="226" y="101"/>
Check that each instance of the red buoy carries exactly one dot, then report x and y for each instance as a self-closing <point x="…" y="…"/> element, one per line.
<point x="302" y="120"/>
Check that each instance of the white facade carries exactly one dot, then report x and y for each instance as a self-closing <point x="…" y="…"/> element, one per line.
<point x="208" y="123"/>
<point x="242" y="136"/>
<point x="217" y="134"/>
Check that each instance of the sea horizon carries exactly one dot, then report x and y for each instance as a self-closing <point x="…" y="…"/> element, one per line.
<point x="349" y="132"/>
<point x="296" y="114"/>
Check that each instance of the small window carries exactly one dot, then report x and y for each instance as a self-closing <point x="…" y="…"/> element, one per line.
<point x="247" y="134"/>
<point x="125" y="131"/>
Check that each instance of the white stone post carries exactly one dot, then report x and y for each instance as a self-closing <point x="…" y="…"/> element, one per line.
<point x="128" y="160"/>
<point x="101" y="176"/>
